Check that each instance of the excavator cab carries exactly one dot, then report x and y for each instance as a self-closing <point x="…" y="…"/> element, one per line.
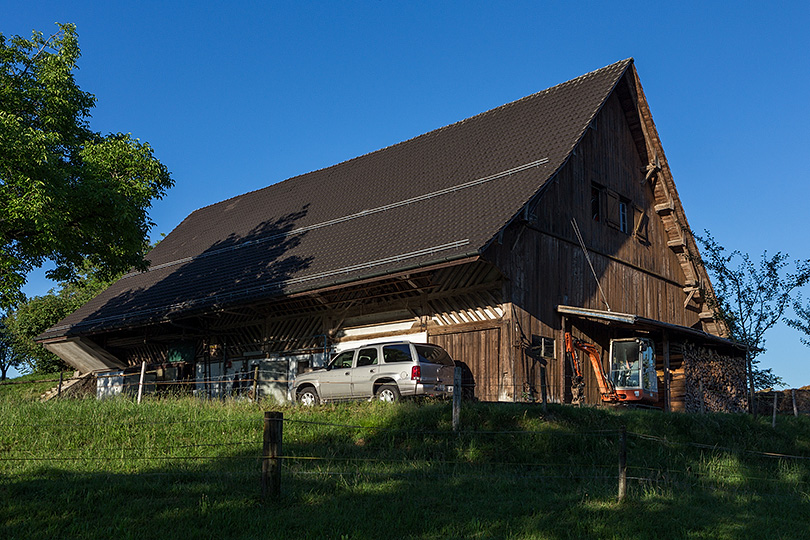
<point x="632" y="370"/>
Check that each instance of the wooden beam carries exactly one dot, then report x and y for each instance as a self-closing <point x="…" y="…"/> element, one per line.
<point x="667" y="376"/>
<point x="678" y="244"/>
<point x="664" y="208"/>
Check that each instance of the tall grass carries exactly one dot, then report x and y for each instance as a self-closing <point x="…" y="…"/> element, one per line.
<point x="190" y="468"/>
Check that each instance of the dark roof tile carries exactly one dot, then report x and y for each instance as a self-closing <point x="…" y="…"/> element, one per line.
<point x="433" y="197"/>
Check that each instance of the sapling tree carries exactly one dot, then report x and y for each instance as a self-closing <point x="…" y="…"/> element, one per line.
<point x="751" y="297"/>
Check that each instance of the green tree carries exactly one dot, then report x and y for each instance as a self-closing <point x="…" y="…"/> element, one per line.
<point x="750" y="298"/>
<point x="35" y="315"/>
<point x="9" y="357"/>
<point x="802" y="320"/>
<point x="67" y="194"/>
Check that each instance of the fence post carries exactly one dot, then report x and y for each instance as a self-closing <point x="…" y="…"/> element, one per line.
<point x="456" y="398"/>
<point x="271" y="454"/>
<point x="622" y="463"/>
<point x="140" y="382"/>
<point x="793" y="395"/>
<point x="59" y="392"/>
<point x="256" y="384"/>
<point x="773" y="420"/>
<point x="543" y="390"/>
<point x="702" y="399"/>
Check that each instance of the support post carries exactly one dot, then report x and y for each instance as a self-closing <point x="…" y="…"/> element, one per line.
<point x="773" y="418"/>
<point x="543" y="390"/>
<point x="256" y="384"/>
<point x="793" y="396"/>
<point x="751" y="394"/>
<point x="622" y="463"/>
<point x="561" y="361"/>
<point x="456" y="398"/>
<point x="702" y="399"/>
<point x="59" y="391"/>
<point x="667" y="377"/>
<point x="271" y="454"/>
<point x="140" y="382"/>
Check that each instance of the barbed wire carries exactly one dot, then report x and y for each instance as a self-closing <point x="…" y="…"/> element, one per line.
<point x="715" y="447"/>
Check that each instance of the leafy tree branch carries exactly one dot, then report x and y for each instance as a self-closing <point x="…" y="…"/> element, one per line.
<point x="751" y="297"/>
<point x="67" y="194"/>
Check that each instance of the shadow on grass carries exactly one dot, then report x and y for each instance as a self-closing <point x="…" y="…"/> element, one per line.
<point x="408" y="477"/>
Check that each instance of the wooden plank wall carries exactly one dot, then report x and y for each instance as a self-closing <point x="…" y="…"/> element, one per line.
<point x="545" y="265"/>
<point x="479" y="352"/>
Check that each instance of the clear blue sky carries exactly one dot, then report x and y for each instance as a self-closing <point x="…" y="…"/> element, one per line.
<point x="235" y="96"/>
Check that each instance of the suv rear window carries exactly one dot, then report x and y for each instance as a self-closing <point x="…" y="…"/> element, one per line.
<point x="397" y="353"/>
<point x="433" y="355"/>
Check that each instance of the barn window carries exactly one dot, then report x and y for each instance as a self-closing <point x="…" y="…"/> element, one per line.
<point x="596" y="202"/>
<point x="548" y="348"/>
<point x="623" y="217"/>
<point x="542" y="347"/>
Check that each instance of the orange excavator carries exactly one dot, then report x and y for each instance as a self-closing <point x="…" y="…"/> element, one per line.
<point x="632" y="376"/>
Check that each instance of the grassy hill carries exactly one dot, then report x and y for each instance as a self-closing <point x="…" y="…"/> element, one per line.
<point x="190" y="469"/>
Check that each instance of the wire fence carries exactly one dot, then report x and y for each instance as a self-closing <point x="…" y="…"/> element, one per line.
<point x="303" y="449"/>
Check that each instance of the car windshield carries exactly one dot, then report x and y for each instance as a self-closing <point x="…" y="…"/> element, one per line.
<point x="433" y="355"/>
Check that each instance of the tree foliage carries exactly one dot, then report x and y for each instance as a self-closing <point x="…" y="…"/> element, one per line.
<point x="9" y="356"/>
<point x="35" y="315"/>
<point x="802" y="320"/>
<point x="67" y="194"/>
<point x="749" y="297"/>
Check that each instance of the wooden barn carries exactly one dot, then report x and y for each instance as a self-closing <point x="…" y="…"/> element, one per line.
<point x="491" y="237"/>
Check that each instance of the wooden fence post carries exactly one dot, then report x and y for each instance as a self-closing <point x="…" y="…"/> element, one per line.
<point x="271" y="454"/>
<point x="256" y="384"/>
<point x="543" y="390"/>
<point x="140" y="382"/>
<point x="622" y="463"/>
<point x="456" y="398"/>
<point x="773" y="420"/>
<point x="793" y="395"/>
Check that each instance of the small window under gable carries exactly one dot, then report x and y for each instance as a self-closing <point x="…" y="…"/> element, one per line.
<point x="596" y="202"/>
<point x="609" y="207"/>
<point x="623" y="216"/>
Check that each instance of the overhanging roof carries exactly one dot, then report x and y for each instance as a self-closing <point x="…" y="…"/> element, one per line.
<point x="637" y="321"/>
<point x="438" y="197"/>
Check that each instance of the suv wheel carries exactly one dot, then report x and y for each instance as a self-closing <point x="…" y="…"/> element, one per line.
<point x="388" y="393"/>
<point x="308" y="397"/>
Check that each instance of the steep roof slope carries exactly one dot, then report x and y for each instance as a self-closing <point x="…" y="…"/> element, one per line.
<point x="440" y="196"/>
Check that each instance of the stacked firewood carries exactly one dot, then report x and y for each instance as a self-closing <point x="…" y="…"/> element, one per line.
<point x="713" y="382"/>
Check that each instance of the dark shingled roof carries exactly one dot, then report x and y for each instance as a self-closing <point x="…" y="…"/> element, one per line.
<point x="437" y="197"/>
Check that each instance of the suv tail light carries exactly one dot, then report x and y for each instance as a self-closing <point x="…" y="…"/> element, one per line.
<point x="416" y="373"/>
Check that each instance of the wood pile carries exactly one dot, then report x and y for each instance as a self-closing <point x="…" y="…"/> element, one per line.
<point x="713" y="382"/>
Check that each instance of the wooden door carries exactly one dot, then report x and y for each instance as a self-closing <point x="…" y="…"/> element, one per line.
<point x="478" y="351"/>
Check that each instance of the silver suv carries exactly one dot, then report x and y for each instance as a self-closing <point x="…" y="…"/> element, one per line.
<point x="386" y="371"/>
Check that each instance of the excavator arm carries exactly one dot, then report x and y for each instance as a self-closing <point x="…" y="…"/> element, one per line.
<point x="606" y="389"/>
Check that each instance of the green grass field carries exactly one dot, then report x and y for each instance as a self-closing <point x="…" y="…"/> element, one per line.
<point x="186" y="468"/>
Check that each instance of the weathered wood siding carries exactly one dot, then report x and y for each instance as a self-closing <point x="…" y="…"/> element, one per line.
<point x="484" y="374"/>
<point x="545" y="265"/>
